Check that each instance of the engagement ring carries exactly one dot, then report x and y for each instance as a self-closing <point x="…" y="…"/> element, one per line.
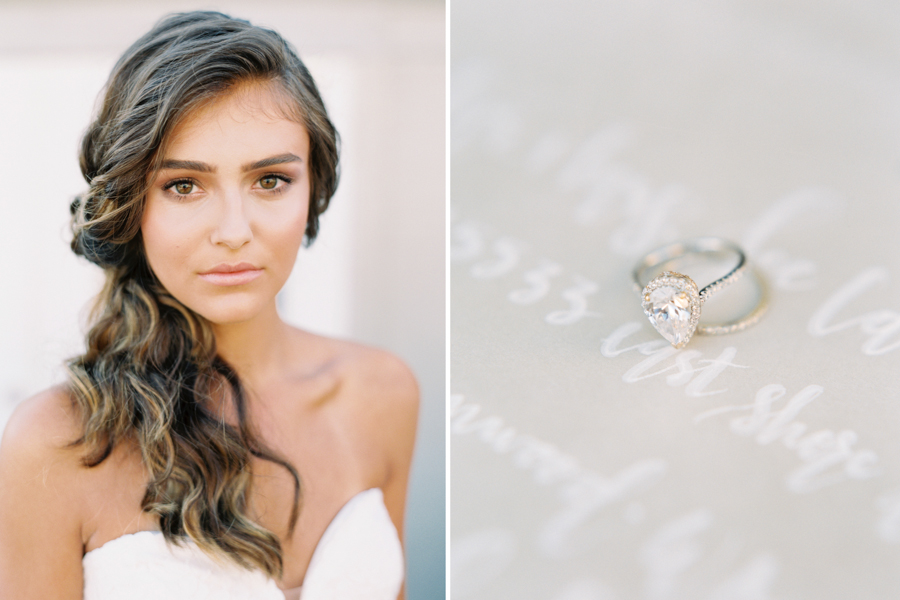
<point x="672" y="301"/>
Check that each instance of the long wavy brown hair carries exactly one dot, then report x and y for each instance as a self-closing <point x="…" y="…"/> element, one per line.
<point x="151" y="373"/>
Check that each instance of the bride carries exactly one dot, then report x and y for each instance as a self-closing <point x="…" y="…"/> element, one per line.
<point x="202" y="448"/>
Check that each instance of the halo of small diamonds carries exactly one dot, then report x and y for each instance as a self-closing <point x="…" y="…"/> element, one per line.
<point x="672" y="302"/>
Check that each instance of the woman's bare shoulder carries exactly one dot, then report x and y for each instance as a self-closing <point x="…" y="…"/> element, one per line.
<point x="383" y="397"/>
<point x="38" y="440"/>
<point x="372" y="375"/>
<point x="43" y="425"/>
<point x="378" y="377"/>
<point x="41" y="498"/>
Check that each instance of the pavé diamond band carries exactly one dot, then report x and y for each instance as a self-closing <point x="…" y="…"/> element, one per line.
<point x="672" y="301"/>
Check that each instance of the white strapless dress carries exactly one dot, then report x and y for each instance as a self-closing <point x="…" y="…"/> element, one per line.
<point x="358" y="557"/>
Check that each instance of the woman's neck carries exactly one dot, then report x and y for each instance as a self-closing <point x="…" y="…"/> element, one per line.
<point x="256" y="348"/>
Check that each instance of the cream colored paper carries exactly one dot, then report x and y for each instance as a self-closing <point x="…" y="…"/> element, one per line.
<point x="591" y="462"/>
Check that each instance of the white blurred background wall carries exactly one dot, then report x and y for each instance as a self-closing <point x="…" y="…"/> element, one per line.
<point x="376" y="272"/>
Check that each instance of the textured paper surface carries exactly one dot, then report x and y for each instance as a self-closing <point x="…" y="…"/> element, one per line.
<point x="590" y="462"/>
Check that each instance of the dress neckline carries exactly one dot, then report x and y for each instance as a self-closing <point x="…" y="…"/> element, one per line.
<point x="155" y="532"/>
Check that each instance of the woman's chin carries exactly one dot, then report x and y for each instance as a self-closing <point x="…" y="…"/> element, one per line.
<point x="231" y="313"/>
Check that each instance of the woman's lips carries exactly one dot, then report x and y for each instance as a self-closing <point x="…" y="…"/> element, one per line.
<point x="227" y="275"/>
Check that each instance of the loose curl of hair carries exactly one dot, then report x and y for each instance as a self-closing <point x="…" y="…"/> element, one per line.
<point x="151" y="372"/>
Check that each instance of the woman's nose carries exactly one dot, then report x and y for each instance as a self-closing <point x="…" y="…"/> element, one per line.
<point x="232" y="228"/>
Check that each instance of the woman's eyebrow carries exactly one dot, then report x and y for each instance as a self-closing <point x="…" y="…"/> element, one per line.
<point x="272" y="160"/>
<point x="188" y="165"/>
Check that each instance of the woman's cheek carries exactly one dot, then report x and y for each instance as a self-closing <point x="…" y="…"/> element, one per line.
<point x="291" y="222"/>
<point x="288" y="236"/>
<point x="167" y="241"/>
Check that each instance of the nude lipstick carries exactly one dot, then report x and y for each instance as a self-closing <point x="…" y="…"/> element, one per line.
<point x="229" y="275"/>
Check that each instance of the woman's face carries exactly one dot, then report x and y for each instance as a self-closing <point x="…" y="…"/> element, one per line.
<point x="225" y="216"/>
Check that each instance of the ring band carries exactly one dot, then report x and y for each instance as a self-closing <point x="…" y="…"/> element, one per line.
<point x="672" y="300"/>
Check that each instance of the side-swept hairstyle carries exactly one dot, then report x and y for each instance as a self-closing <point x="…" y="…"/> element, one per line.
<point x="151" y="369"/>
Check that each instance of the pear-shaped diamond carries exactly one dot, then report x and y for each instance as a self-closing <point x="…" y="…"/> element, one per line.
<point x="672" y="304"/>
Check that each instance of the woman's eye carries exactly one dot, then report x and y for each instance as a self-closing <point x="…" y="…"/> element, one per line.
<point x="269" y="182"/>
<point x="183" y="187"/>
